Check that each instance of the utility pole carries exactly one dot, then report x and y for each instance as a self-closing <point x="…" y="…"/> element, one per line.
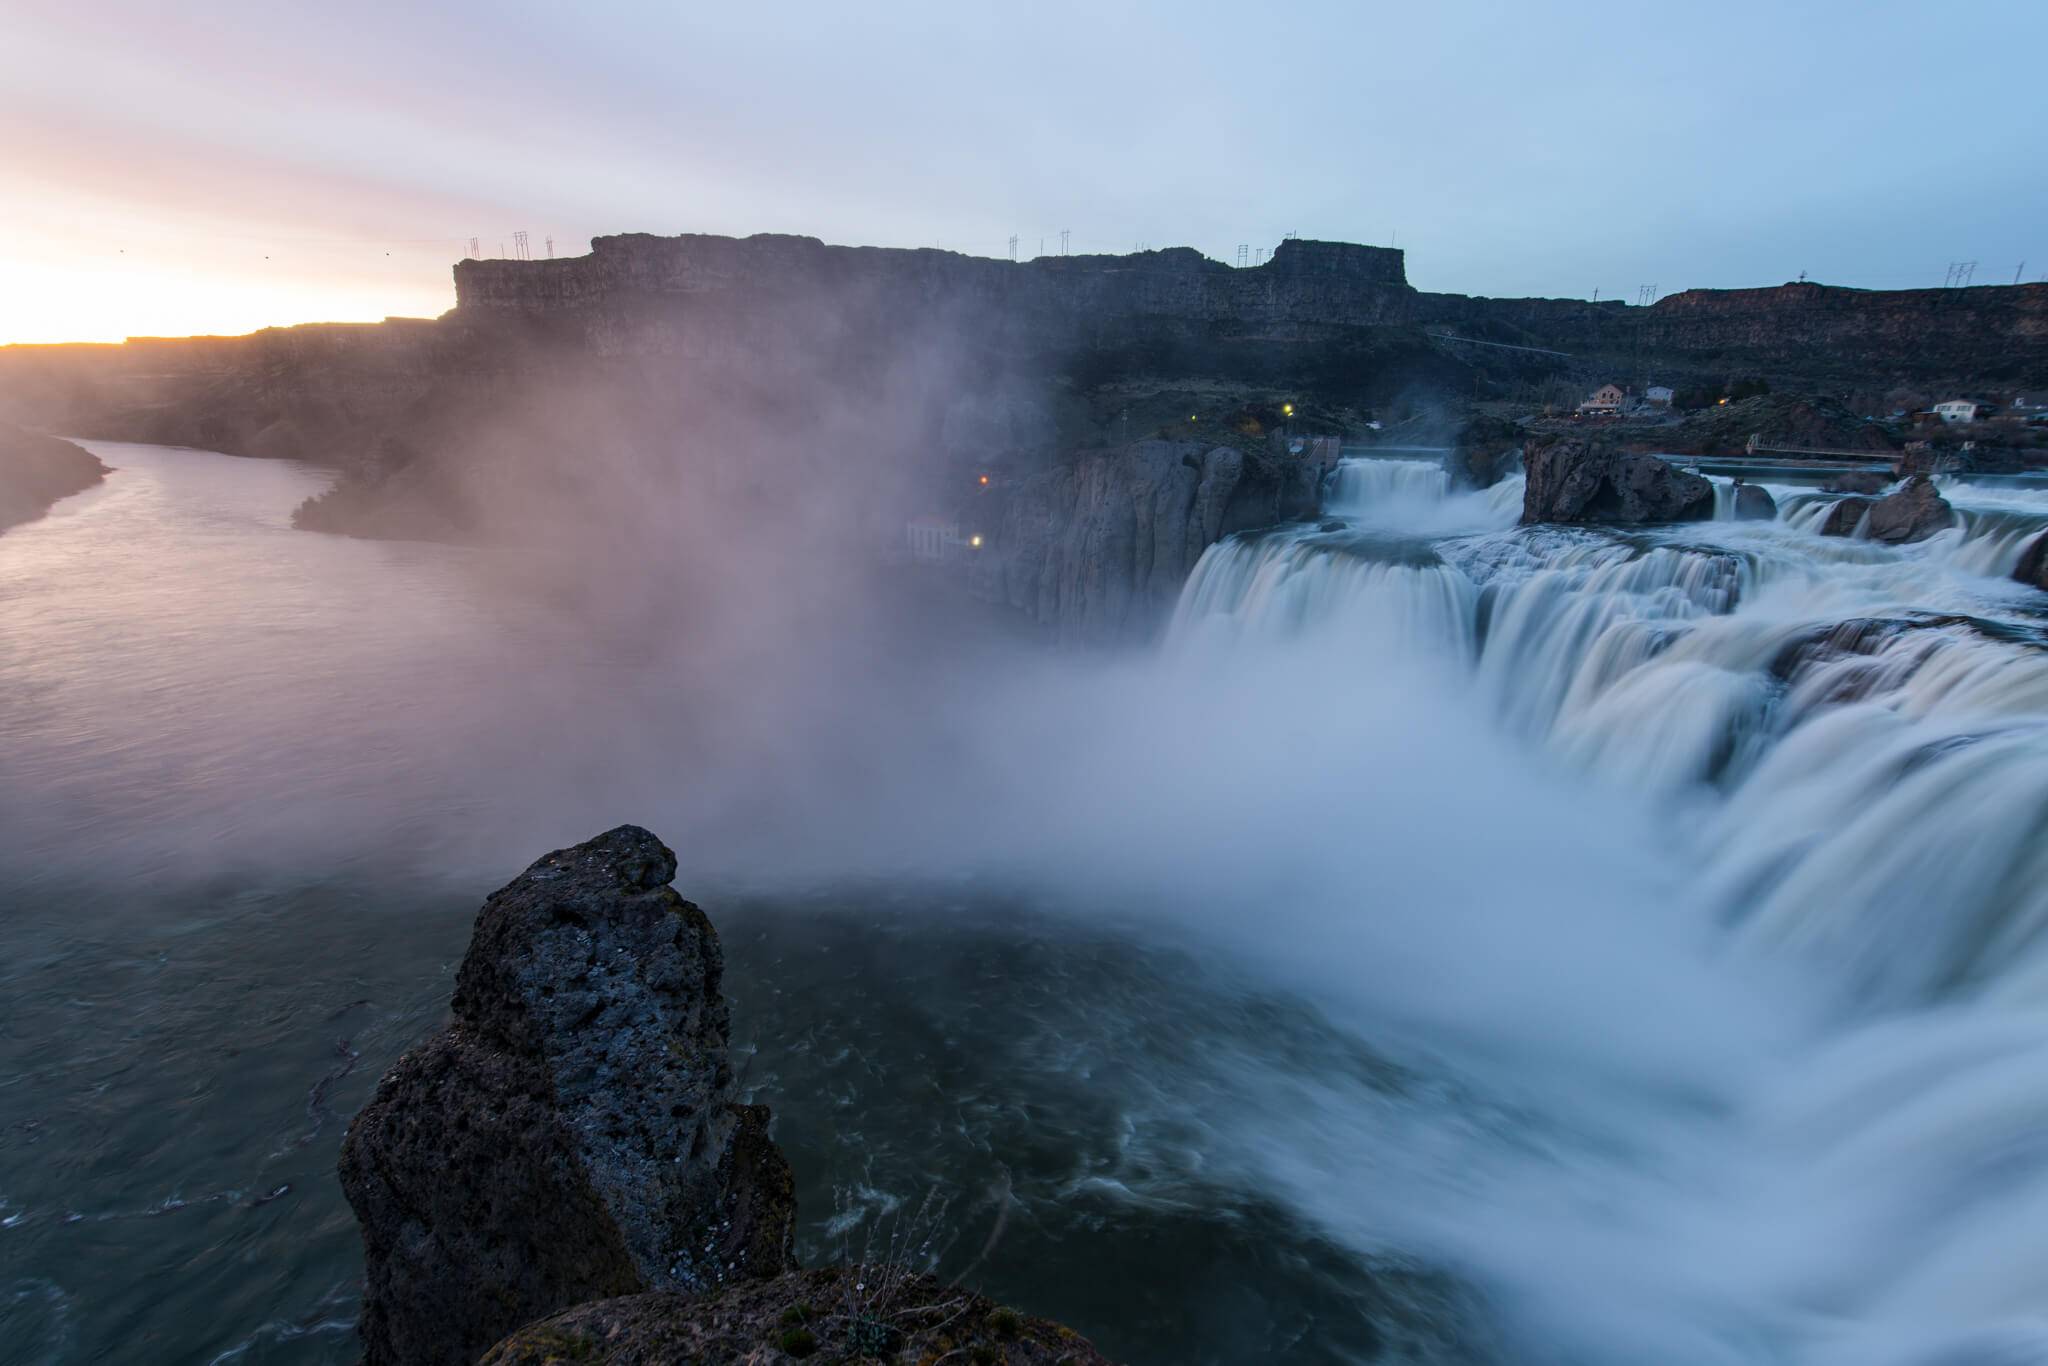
<point x="2017" y="273"/>
<point x="1064" y="233"/>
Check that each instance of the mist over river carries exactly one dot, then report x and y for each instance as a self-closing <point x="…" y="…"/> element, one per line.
<point x="1451" y="943"/>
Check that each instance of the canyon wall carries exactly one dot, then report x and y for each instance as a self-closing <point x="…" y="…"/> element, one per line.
<point x="878" y="383"/>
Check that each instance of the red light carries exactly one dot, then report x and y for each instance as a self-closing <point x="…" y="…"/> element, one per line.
<point x="984" y="479"/>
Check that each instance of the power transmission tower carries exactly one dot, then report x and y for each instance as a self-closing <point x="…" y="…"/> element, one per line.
<point x="520" y="249"/>
<point x="1064" y="234"/>
<point x="476" y="252"/>
<point x="1244" y="252"/>
<point x="551" y="248"/>
<point x="1644" y="293"/>
<point x="2017" y="273"/>
<point x="1013" y="246"/>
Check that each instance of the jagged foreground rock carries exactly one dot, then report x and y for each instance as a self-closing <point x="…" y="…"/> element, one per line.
<point x="566" y="1162"/>
<point x="572" y="1134"/>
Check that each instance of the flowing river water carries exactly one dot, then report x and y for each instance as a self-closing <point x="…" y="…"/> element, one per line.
<point x="1454" y="943"/>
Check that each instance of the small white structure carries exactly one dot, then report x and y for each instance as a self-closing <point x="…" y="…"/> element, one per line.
<point x="1606" y="399"/>
<point x="934" y="539"/>
<point x="1958" y="410"/>
<point x="1658" y="396"/>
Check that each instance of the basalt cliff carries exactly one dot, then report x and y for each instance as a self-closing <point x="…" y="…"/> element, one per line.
<point x="761" y="374"/>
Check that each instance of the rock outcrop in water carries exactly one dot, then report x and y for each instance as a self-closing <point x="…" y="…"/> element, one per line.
<point x="564" y="1171"/>
<point x="1915" y="511"/>
<point x="1585" y="481"/>
<point x="1754" y="504"/>
<point x="2033" y="566"/>
<point x="1865" y="482"/>
<point x="36" y="471"/>
<point x="573" y="1134"/>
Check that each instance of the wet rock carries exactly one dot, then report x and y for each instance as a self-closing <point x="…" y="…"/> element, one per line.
<point x="1577" y="481"/>
<point x="854" y="1313"/>
<point x="1913" y="513"/>
<point x="36" y="471"/>
<point x="1754" y="504"/>
<point x="1865" y="482"/>
<point x="2033" y="566"/>
<point x="1486" y="451"/>
<point x="573" y="1134"/>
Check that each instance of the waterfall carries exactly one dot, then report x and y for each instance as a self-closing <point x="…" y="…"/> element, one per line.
<point x="1849" y="742"/>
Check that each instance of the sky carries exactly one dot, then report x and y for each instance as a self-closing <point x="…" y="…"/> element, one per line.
<point x="168" y="169"/>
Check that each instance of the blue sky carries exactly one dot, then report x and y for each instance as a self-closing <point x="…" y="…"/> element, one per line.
<point x="171" y="168"/>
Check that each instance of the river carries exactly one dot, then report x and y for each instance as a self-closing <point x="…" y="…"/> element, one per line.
<point x="1454" y="943"/>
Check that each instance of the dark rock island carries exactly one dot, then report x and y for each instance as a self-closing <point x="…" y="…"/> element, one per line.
<point x="1587" y="480"/>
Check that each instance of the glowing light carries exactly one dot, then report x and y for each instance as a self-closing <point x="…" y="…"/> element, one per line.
<point x="974" y="541"/>
<point x="984" y="479"/>
<point x="1287" y="409"/>
<point x="1724" y="402"/>
<point x="1191" y="417"/>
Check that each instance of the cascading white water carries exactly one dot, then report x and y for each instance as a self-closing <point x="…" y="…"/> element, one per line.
<point x="1849" y="742"/>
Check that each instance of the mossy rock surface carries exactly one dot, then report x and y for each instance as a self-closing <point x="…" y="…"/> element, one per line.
<point x="827" y="1315"/>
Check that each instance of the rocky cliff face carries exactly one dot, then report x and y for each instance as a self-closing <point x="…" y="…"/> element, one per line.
<point x="574" y="1132"/>
<point x="36" y="471"/>
<point x="632" y="288"/>
<point x="565" y="1172"/>
<point x="1097" y="549"/>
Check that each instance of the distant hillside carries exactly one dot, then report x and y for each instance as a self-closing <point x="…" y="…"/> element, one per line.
<point x="36" y="471"/>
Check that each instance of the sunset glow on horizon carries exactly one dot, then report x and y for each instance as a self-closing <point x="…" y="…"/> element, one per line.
<point x="164" y="171"/>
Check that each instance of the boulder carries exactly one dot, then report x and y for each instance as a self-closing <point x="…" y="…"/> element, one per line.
<point x="839" y="1314"/>
<point x="1865" y="482"/>
<point x="574" y="1132"/>
<point x="2033" y="565"/>
<point x="1580" y="481"/>
<point x="1754" y="504"/>
<point x="1912" y="513"/>
<point x="1485" y="451"/>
